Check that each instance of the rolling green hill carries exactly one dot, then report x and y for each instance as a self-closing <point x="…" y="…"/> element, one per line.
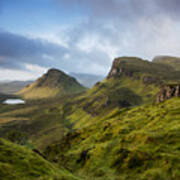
<point x="114" y="131"/>
<point x="136" y="143"/>
<point x="54" y="83"/>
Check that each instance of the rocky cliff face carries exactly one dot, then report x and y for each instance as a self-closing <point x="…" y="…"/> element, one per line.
<point x="118" y="69"/>
<point x="167" y="92"/>
<point x="135" y="68"/>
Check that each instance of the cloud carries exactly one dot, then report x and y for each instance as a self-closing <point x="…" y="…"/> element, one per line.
<point x="132" y="27"/>
<point x="126" y="9"/>
<point x="14" y="74"/>
<point x="17" y="50"/>
<point x="109" y="29"/>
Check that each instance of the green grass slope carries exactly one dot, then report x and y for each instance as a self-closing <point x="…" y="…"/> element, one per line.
<point x="17" y="162"/>
<point x="38" y="122"/>
<point x="114" y="131"/>
<point x="54" y="83"/>
<point x="130" y="83"/>
<point x="140" y="143"/>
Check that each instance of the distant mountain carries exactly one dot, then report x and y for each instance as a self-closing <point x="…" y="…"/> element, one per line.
<point x="88" y="80"/>
<point x="53" y="83"/>
<point x="13" y="86"/>
<point x="169" y="60"/>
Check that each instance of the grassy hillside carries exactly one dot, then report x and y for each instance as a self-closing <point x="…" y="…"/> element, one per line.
<point x="54" y="83"/>
<point x="136" y="143"/>
<point x="39" y="122"/>
<point x="44" y="122"/>
<point x="17" y="162"/>
<point x="114" y="131"/>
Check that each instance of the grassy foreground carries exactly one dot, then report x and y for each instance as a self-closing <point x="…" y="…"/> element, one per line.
<point x="138" y="143"/>
<point x="17" y="162"/>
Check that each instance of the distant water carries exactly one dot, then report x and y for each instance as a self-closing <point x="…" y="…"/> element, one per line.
<point x="14" y="101"/>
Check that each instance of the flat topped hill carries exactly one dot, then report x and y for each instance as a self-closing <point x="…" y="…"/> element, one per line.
<point x="131" y="81"/>
<point x="131" y="65"/>
<point x="169" y="60"/>
<point x="53" y="83"/>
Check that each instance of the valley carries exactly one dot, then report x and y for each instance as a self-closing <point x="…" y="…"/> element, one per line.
<point x="117" y="130"/>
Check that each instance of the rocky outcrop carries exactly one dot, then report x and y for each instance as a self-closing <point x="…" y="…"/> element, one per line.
<point x="167" y="92"/>
<point x="123" y="66"/>
<point x="135" y="68"/>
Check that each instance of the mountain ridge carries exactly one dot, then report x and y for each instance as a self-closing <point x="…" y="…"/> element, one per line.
<point x="115" y="130"/>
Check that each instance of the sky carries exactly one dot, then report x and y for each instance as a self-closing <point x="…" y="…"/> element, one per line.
<point x="83" y="36"/>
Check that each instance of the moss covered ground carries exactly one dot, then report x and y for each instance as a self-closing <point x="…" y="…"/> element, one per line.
<point x="137" y="143"/>
<point x="20" y="163"/>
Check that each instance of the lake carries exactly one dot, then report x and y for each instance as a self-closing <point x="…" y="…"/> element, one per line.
<point x="14" y="101"/>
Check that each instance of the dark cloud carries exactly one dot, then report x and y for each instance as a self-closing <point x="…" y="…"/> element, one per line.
<point x="16" y="50"/>
<point x="125" y="9"/>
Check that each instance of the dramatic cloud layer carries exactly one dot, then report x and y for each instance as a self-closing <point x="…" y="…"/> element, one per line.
<point x="16" y="50"/>
<point x="97" y="32"/>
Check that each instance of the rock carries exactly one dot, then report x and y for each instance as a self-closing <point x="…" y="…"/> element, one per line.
<point x="167" y="92"/>
<point x="150" y="80"/>
<point x="119" y="68"/>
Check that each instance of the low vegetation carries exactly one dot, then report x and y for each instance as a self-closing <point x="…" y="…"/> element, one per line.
<point x="136" y="143"/>
<point x="17" y="162"/>
<point x="114" y="131"/>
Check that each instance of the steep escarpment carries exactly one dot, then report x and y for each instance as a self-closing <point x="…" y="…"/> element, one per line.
<point x="167" y="92"/>
<point x="52" y="84"/>
<point x="131" y="82"/>
<point x="137" y="68"/>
